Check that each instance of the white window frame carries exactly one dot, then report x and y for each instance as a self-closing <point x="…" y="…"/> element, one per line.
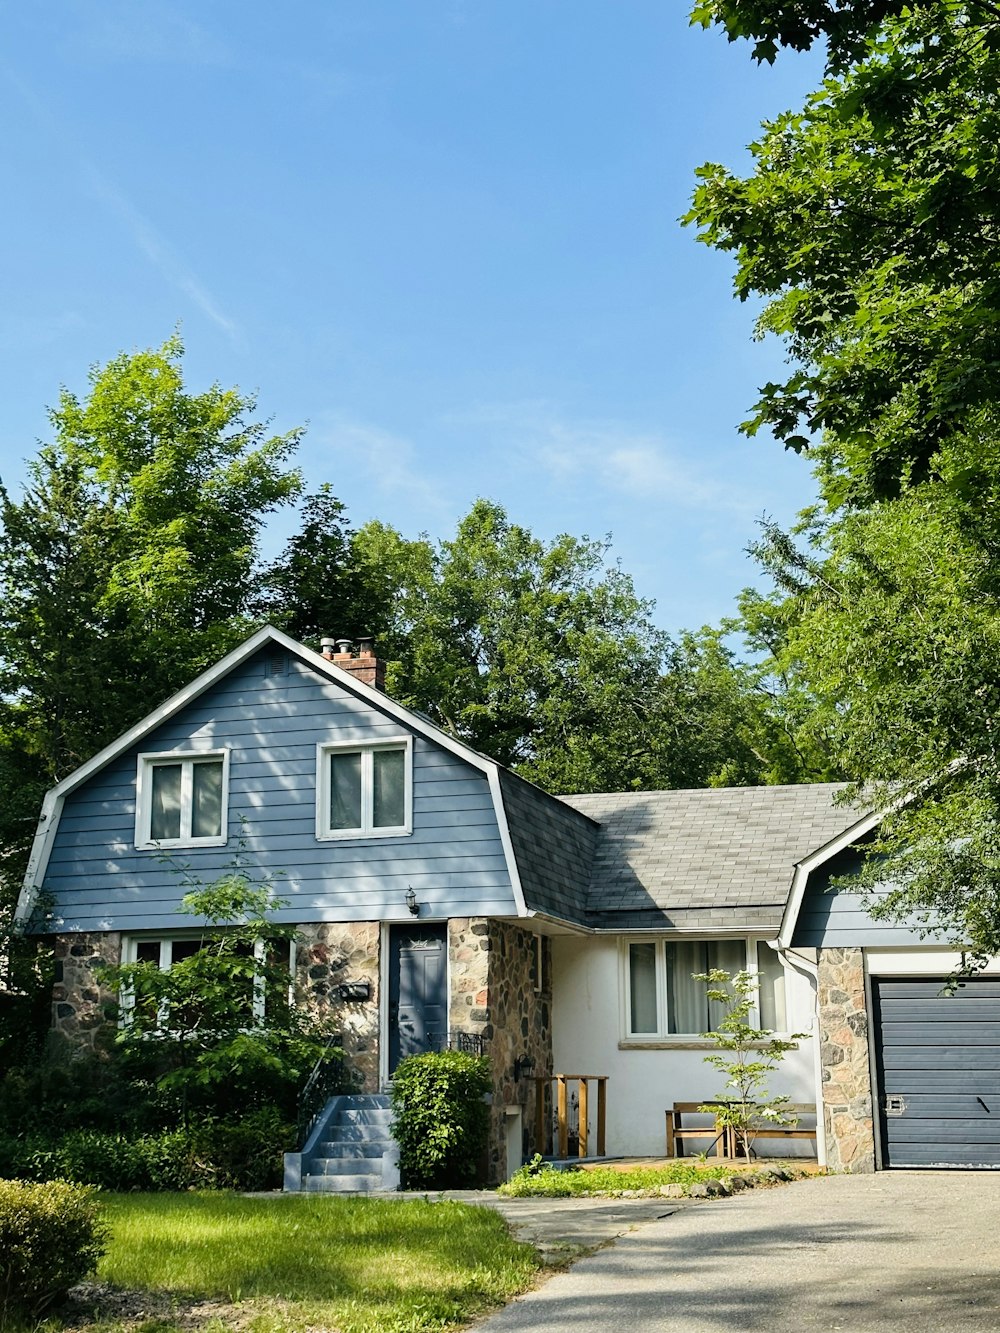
<point x="366" y="749"/>
<point x="129" y="955"/>
<point x="662" y="1036"/>
<point x="144" y="792"/>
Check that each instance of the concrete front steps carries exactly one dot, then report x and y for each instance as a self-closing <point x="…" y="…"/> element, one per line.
<point x="350" y="1150"/>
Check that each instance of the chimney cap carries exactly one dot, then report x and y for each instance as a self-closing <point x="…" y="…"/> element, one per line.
<point x="366" y="643"/>
<point x="345" y="645"/>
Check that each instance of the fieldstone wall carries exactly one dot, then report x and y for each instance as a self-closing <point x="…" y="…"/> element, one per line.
<point x="327" y="954"/>
<point x="84" y="1012"/>
<point x="847" y="1086"/>
<point x="492" y="968"/>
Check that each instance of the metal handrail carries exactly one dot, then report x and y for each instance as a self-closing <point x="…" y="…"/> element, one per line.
<point x="472" y="1043"/>
<point x="315" y="1094"/>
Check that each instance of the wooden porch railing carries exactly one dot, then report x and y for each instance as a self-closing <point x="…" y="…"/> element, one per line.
<point x="561" y="1084"/>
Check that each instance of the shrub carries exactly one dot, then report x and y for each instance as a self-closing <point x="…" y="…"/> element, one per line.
<point x="50" y="1238"/>
<point x="440" y="1118"/>
<point x="208" y="1154"/>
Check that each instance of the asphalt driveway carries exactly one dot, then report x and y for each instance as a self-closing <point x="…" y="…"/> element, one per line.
<point x="907" y="1251"/>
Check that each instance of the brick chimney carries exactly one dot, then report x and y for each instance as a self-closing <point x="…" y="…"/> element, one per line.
<point x="358" y="659"/>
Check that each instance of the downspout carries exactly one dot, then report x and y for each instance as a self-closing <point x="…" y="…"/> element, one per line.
<point x="810" y="970"/>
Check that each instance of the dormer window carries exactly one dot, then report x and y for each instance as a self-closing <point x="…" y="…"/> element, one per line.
<point x="364" y="790"/>
<point x="182" y="800"/>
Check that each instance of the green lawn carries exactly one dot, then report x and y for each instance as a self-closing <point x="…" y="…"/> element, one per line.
<point x="291" y="1264"/>
<point x="550" y="1183"/>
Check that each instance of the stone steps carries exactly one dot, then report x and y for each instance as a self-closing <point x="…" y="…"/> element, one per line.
<point x="350" y="1150"/>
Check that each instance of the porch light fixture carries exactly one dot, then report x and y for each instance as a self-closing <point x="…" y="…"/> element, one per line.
<point x="411" y="902"/>
<point x="524" y="1066"/>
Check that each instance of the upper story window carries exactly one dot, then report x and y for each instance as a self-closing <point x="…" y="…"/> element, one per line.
<point x="663" y="1000"/>
<point x="182" y="800"/>
<point x="364" y="789"/>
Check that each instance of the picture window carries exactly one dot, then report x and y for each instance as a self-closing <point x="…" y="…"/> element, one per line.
<point x="663" y="999"/>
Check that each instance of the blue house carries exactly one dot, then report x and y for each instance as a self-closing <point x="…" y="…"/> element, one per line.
<point x="439" y="899"/>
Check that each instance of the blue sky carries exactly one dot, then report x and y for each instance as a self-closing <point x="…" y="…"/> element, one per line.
<point x="443" y="233"/>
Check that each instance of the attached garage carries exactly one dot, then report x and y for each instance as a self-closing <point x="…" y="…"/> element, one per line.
<point x="938" y="1070"/>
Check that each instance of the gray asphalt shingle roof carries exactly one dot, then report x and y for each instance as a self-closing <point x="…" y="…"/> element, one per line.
<point x="704" y="859"/>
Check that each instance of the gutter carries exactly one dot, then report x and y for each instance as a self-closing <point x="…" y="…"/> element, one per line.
<point x="811" y="970"/>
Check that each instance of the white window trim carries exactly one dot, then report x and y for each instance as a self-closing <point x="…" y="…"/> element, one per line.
<point x="663" y="1037"/>
<point x="366" y="749"/>
<point x="144" y="790"/>
<point x="129" y="955"/>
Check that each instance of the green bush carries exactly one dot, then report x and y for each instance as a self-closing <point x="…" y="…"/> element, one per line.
<point x="208" y="1154"/>
<point x="440" y="1118"/>
<point x="50" y="1238"/>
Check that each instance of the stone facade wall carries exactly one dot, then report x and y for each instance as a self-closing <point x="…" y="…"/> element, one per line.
<point x="84" y="1012"/>
<point x="847" y="1084"/>
<point x="492" y="967"/>
<point x="330" y="953"/>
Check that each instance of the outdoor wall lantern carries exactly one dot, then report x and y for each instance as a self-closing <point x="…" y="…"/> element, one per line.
<point x="411" y="902"/>
<point x="355" y="990"/>
<point x="524" y="1066"/>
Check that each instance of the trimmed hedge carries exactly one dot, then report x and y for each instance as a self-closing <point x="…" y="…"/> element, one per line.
<point x="440" y="1118"/>
<point x="211" y="1154"/>
<point x="50" y="1238"/>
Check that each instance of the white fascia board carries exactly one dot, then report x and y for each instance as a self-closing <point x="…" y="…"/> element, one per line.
<point x="48" y="821"/>
<point x="508" y="846"/>
<point x="808" y="864"/>
<point x="52" y="807"/>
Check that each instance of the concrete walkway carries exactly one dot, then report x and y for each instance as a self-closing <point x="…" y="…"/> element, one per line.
<point x="906" y="1252"/>
<point x="563" y="1228"/>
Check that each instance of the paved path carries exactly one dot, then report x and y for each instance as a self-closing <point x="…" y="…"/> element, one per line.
<point x="561" y="1228"/>
<point x="906" y="1252"/>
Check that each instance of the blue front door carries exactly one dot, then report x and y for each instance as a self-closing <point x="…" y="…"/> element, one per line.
<point x="418" y="990"/>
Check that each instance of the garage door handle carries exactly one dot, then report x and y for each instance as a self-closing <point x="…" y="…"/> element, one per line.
<point x="984" y="1106"/>
<point x="894" y="1105"/>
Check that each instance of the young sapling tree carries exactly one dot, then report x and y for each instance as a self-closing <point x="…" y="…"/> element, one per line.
<point x="747" y="1055"/>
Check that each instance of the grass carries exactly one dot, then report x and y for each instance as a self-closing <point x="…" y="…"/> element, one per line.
<point x="547" y="1182"/>
<point x="291" y="1264"/>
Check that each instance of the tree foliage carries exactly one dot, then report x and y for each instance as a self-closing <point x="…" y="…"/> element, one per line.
<point x="543" y="656"/>
<point x="127" y="566"/>
<point x="218" y="1029"/>
<point x="748" y="1056"/>
<point x="891" y="619"/>
<point x="846" y="30"/>
<point x="868" y="227"/>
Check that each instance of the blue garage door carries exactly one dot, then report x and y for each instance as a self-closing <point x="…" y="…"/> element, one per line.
<point x="938" y="1061"/>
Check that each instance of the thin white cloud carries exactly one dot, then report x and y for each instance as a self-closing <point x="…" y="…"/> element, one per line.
<point x="143" y="234"/>
<point x="157" y="249"/>
<point x="616" y="457"/>
<point x="151" y="31"/>
<point x="390" y="460"/>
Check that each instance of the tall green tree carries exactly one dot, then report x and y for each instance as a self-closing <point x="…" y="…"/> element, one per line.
<point x="543" y="656"/>
<point x="868" y="227"/>
<point x="319" y="586"/>
<point x="128" y="564"/>
<point x="891" y="619"/>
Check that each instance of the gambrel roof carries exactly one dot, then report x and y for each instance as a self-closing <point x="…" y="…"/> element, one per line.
<point x="709" y="860"/>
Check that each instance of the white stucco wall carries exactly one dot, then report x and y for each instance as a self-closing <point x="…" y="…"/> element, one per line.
<point x="588" y="1026"/>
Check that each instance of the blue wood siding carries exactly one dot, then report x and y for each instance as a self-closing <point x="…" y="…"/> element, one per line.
<point x="834" y="918"/>
<point x="271" y="726"/>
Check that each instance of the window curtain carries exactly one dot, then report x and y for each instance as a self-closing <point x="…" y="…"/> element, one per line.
<point x="689" y="1010"/>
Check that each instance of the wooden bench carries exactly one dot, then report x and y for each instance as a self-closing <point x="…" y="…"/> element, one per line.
<point x="724" y="1138"/>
